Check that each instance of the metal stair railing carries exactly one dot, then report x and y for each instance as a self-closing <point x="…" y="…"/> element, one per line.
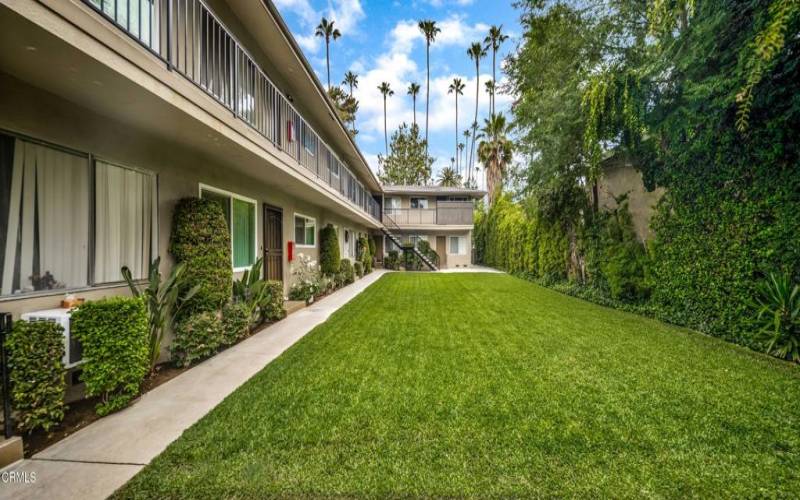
<point x="391" y="223"/>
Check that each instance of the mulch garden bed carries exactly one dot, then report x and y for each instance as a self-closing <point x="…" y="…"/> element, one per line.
<point x="81" y="413"/>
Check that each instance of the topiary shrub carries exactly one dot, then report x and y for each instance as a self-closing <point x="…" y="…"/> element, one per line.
<point x="392" y="260"/>
<point x="271" y="306"/>
<point x="359" y="269"/>
<point x="201" y="239"/>
<point x="371" y="246"/>
<point x="197" y="337"/>
<point x="329" y="255"/>
<point x="365" y="255"/>
<point x="35" y="359"/>
<point x="235" y="322"/>
<point x="114" y="335"/>
<point x="346" y="269"/>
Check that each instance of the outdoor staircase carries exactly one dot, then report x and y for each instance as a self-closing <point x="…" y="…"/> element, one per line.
<point x="424" y="258"/>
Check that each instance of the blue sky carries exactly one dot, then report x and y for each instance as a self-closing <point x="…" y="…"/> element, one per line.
<point x="380" y="42"/>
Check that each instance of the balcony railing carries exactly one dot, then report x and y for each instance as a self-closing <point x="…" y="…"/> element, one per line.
<point x="192" y="40"/>
<point x="447" y="213"/>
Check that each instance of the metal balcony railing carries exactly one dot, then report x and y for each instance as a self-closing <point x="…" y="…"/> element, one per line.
<point x="194" y="42"/>
<point x="446" y="213"/>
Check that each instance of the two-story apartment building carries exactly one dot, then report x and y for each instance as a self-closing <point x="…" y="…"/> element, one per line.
<point x="442" y="216"/>
<point x="113" y="110"/>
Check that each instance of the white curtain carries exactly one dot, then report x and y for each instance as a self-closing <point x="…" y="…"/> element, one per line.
<point x="125" y="222"/>
<point x="48" y="219"/>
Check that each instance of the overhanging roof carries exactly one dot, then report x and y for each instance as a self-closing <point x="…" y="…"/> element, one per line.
<point x="434" y="190"/>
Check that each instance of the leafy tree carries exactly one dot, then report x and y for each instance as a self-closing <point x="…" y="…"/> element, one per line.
<point x="326" y="30"/>
<point x="408" y="163"/>
<point x="346" y="106"/>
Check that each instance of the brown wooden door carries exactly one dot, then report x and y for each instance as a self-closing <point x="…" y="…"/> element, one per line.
<point x="441" y="249"/>
<point x="273" y="243"/>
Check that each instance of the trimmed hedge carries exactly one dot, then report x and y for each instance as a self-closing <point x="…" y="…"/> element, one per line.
<point x="197" y="337"/>
<point x="114" y="335"/>
<point x="329" y="253"/>
<point x="347" y="272"/>
<point x="358" y="267"/>
<point x="200" y="238"/>
<point x="272" y="305"/>
<point x="392" y="260"/>
<point x="36" y="371"/>
<point x="235" y="323"/>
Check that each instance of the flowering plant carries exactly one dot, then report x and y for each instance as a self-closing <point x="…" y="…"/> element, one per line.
<point x="306" y="282"/>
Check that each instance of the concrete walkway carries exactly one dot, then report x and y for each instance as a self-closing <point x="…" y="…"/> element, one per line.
<point x="95" y="461"/>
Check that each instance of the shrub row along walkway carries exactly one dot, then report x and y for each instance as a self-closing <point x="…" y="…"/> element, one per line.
<point x="460" y="385"/>
<point x="97" y="460"/>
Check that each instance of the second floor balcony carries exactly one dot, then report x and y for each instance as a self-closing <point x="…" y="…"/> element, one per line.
<point x="194" y="42"/>
<point x="446" y="213"/>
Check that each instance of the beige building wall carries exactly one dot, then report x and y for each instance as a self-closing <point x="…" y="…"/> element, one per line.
<point x="620" y="177"/>
<point x="440" y="242"/>
<point x="29" y="111"/>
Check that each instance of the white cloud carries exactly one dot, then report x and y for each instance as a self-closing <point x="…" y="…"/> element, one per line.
<point x="346" y="14"/>
<point x="397" y="67"/>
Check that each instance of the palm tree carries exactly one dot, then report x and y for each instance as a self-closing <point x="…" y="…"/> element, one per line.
<point x="490" y="90"/>
<point x="460" y="150"/>
<point x="457" y="88"/>
<point x="429" y="30"/>
<point x="326" y="30"/>
<point x="467" y="135"/>
<point x="493" y="40"/>
<point x="476" y="52"/>
<point x="495" y="152"/>
<point x="387" y="91"/>
<point x="448" y="177"/>
<point x="413" y="90"/>
<point x="351" y="80"/>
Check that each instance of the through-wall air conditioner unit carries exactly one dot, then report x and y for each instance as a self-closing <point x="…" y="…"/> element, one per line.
<point x="73" y="352"/>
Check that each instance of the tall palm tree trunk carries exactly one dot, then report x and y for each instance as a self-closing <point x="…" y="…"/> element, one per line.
<point x="414" y="105"/>
<point x="427" y="93"/>
<point x="494" y="79"/>
<point x="457" y="155"/>
<point x="475" y="122"/>
<point x="328" y="60"/>
<point x="385" y="129"/>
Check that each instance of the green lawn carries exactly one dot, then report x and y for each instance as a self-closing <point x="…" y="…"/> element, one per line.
<point x="486" y="385"/>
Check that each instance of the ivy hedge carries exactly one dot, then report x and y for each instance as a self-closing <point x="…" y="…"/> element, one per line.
<point x="36" y="370"/>
<point x="200" y="238"/>
<point x="114" y="335"/>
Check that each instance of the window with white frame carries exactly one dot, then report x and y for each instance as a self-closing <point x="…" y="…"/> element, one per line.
<point x="48" y="198"/>
<point x="305" y="231"/>
<point x="240" y="215"/>
<point x="458" y="245"/>
<point x="419" y="202"/>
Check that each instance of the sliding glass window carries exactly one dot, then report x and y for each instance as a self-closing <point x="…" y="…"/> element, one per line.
<point x="240" y="215"/>
<point x="46" y="236"/>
